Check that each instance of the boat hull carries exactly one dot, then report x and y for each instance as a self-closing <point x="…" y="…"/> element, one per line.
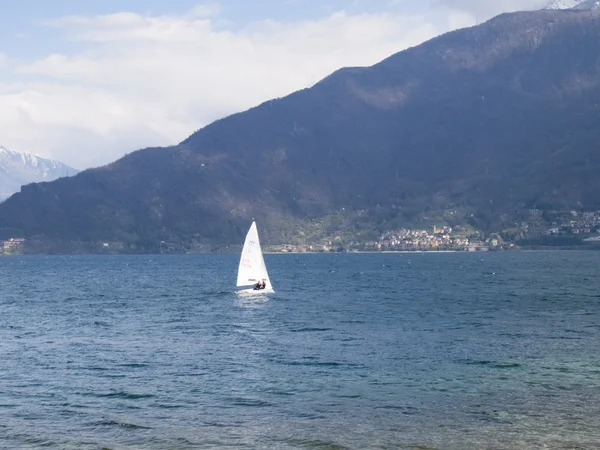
<point x="255" y="291"/>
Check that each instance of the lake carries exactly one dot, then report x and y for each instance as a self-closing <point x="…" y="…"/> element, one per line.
<point x="409" y="351"/>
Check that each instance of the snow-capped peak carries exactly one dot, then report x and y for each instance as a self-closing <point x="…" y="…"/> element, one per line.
<point x="4" y="151"/>
<point x="17" y="169"/>
<point x="573" y="4"/>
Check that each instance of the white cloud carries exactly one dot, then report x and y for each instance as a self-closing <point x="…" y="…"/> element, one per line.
<point x="484" y="9"/>
<point x="152" y="80"/>
<point x="206" y="10"/>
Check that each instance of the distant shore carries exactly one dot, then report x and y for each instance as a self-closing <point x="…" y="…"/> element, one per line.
<point x="359" y="252"/>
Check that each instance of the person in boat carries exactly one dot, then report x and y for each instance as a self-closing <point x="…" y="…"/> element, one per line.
<point x="260" y="285"/>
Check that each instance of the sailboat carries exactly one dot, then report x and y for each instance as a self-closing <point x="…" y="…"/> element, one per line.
<point x="252" y="268"/>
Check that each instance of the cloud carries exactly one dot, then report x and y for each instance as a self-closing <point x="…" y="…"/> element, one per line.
<point x="141" y="80"/>
<point x="484" y="9"/>
<point x="207" y="10"/>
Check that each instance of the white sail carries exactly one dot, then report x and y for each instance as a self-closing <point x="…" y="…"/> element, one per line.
<point x="252" y="266"/>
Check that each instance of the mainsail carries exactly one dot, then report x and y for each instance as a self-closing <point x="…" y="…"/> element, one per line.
<point x="252" y="266"/>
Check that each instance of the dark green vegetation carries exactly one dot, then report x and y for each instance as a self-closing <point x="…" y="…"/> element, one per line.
<point x="485" y="122"/>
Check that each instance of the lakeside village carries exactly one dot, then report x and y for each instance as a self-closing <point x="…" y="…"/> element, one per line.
<point x="438" y="239"/>
<point x="13" y="246"/>
<point x="584" y="227"/>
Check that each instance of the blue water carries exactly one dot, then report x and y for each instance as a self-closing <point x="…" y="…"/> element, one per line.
<point x="410" y="351"/>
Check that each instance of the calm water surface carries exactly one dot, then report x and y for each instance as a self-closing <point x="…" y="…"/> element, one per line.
<point x="410" y="351"/>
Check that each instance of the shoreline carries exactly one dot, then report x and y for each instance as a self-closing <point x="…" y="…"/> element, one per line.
<point x="386" y="252"/>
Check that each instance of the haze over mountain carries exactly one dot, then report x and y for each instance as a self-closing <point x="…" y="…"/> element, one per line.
<point x="18" y="169"/>
<point x="484" y="122"/>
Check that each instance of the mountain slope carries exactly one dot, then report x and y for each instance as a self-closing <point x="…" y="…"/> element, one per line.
<point x="487" y="120"/>
<point x="18" y="169"/>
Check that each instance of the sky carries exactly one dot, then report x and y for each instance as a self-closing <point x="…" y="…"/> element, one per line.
<point x="87" y="82"/>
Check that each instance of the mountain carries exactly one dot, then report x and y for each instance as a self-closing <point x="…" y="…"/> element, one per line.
<point x="574" y="4"/>
<point x="18" y="169"/>
<point x="564" y="4"/>
<point x="476" y="125"/>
